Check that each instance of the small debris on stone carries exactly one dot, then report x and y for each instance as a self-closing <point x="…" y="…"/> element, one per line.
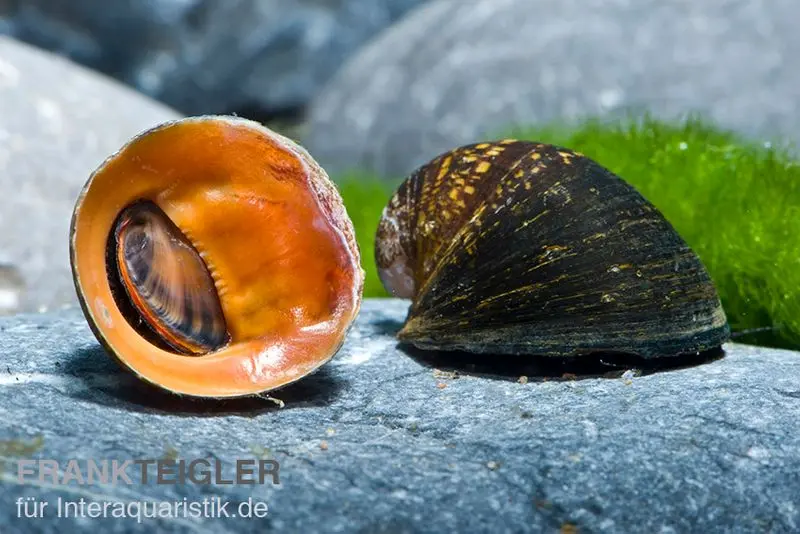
<point x="323" y="445"/>
<point x="19" y="447"/>
<point x="441" y="385"/>
<point x="629" y="375"/>
<point x="493" y="465"/>
<point x="170" y="452"/>
<point x="260" y="452"/>
<point x="330" y="432"/>
<point x="445" y="375"/>
<point x="569" y="528"/>
<point x="275" y="400"/>
<point x="758" y="453"/>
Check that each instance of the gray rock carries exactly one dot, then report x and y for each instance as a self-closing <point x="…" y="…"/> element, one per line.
<point x="204" y="56"/>
<point x="380" y="441"/>
<point x="453" y="72"/>
<point x="58" y="122"/>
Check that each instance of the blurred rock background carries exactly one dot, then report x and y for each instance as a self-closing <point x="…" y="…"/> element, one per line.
<point x="452" y="72"/>
<point x="58" y="122"/>
<point x="260" y="58"/>
<point x="376" y="86"/>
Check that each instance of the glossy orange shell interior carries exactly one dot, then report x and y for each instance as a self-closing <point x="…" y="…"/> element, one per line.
<point x="270" y="227"/>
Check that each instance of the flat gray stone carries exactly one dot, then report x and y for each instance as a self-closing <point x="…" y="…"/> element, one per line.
<point x="206" y="56"/>
<point x="454" y="72"/>
<point x="381" y="440"/>
<point x="58" y="122"/>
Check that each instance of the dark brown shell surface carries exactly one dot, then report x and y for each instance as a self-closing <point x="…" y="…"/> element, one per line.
<point x="526" y="248"/>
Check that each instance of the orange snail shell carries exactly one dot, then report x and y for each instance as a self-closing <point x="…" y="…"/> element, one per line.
<point x="213" y="257"/>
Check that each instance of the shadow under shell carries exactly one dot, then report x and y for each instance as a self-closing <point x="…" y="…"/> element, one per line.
<point x="119" y="389"/>
<point x="543" y="368"/>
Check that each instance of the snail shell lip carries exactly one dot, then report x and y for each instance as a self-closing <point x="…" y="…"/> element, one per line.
<point x="562" y="342"/>
<point x="527" y="248"/>
<point x="270" y="229"/>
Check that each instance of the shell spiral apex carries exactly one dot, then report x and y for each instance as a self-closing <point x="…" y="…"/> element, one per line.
<point x="526" y="248"/>
<point x="213" y="257"/>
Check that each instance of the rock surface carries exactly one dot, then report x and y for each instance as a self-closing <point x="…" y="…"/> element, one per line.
<point x="58" y="122"/>
<point x="204" y="56"/>
<point x="382" y="440"/>
<point x="452" y="72"/>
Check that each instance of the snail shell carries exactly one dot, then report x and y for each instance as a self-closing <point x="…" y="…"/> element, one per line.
<point x="214" y="258"/>
<point x="526" y="248"/>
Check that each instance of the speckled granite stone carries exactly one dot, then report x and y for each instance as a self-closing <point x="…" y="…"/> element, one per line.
<point x="388" y="440"/>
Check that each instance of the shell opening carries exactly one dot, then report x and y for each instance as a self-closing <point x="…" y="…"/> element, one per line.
<point x="162" y="284"/>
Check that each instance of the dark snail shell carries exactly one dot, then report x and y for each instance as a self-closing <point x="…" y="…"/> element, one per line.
<point x="214" y="258"/>
<point x="526" y="248"/>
